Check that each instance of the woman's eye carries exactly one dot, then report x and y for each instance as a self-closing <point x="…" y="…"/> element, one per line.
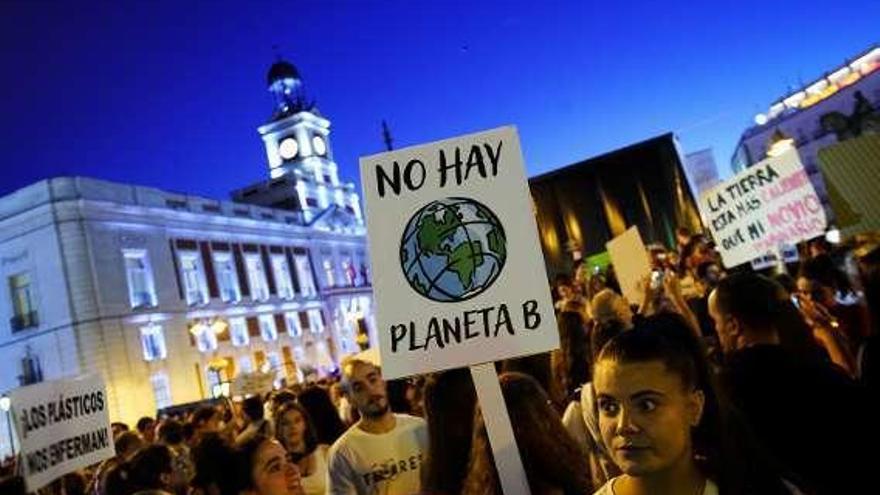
<point x="648" y="405"/>
<point x="608" y="408"/>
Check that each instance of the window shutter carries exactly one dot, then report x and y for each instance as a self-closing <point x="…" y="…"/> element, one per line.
<point x="268" y="268"/>
<point x="210" y="274"/>
<point x="291" y="267"/>
<point x="280" y="323"/>
<point x="176" y="268"/>
<point x="253" y="326"/>
<point x="241" y="271"/>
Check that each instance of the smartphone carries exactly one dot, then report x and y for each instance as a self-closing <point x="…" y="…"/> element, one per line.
<point x="795" y="301"/>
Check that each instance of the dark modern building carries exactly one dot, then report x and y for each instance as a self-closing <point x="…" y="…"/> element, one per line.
<point x="584" y="205"/>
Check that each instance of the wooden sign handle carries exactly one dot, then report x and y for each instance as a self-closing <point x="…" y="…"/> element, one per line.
<point x="507" y="460"/>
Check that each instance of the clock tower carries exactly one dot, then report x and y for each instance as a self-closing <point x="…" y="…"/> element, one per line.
<point x="303" y="174"/>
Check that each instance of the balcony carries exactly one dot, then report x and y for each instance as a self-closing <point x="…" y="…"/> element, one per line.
<point x="23" y="321"/>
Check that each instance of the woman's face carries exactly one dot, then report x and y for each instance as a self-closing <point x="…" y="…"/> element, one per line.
<point x="293" y="427"/>
<point x="645" y="415"/>
<point x="273" y="473"/>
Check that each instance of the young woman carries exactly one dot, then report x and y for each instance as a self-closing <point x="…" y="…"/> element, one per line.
<point x="554" y="463"/>
<point x="296" y="432"/>
<point x="149" y="472"/>
<point x="662" y="422"/>
<point x="450" y="400"/>
<point x="264" y="468"/>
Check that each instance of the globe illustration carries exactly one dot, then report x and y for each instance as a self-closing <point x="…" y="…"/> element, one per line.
<point x="452" y="249"/>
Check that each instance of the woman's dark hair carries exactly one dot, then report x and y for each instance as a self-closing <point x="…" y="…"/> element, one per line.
<point x="600" y="334"/>
<point x="310" y="436"/>
<point x="143" y="472"/>
<point x="324" y="415"/>
<point x="214" y="462"/>
<point x="572" y="368"/>
<point x="396" y="390"/>
<point x="171" y="432"/>
<point x="245" y="456"/>
<point x="253" y="408"/>
<point x="539" y="367"/>
<point x="822" y="269"/>
<point x="203" y="414"/>
<point x="551" y="458"/>
<point x="723" y="449"/>
<point x="450" y="399"/>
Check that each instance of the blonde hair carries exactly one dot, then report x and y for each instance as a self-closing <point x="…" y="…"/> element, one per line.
<point x="346" y="369"/>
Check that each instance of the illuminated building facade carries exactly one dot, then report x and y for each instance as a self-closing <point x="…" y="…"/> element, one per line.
<point x="814" y="117"/>
<point x="582" y="206"/>
<point x="168" y="296"/>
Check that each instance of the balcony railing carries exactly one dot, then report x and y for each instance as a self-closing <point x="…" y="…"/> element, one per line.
<point x="23" y="321"/>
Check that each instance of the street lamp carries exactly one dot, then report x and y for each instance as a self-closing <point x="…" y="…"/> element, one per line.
<point x="5" y="406"/>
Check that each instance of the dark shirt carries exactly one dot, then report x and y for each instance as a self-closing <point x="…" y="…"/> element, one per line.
<point x="810" y="417"/>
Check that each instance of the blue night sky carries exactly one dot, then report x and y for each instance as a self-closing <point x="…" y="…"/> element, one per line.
<point x="169" y="94"/>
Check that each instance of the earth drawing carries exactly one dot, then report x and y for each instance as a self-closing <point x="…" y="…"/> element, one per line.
<point x="452" y="249"/>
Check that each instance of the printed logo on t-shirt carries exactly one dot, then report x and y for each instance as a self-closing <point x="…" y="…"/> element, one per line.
<point x="389" y="470"/>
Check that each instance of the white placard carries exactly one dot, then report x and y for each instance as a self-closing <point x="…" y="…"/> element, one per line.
<point x="459" y="277"/>
<point x="62" y="426"/>
<point x="255" y="383"/>
<point x="631" y="263"/>
<point x="765" y="206"/>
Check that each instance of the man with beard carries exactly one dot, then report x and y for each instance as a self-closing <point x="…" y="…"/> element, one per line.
<point x="382" y="452"/>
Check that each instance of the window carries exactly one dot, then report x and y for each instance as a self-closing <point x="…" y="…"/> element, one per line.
<point x="206" y="339"/>
<point x="304" y="273"/>
<point x="238" y="331"/>
<point x="153" y="343"/>
<point x="276" y="368"/>
<point x="304" y="321"/>
<point x="193" y="276"/>
<point x="161" y="390"/>
<point x="350" y="272"/>
<point x="328" y="272"/>
<point x="226" y="277"/>
<point x="316" y="320"/>
<point x="274" y="361"/>
<point x="31" y="369"/>
<point x="312" y="202"/>
<point x="267" y="328"/>
<point x="293" y="326"/>
<point x="257" y="278"/>
<point x="246" y="364"/>
<point x="141" y="290"/>
<point x="23" y="310"/>
<point x="282" y="277"/>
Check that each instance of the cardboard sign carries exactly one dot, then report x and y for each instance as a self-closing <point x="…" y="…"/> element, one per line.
<point x="631" y="262"/>
<point x="459" y="276"/>
<point x="770" y="204"/>
<point x="255" y="383"/>
<point x="62" y="426"/>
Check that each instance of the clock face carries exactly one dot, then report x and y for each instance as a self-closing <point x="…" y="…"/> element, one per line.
<point x="319" y="145"/>
<point x="288" y="148"/>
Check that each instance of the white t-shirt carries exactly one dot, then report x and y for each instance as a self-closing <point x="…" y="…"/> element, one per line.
<point x="608" y="488"/>
<point x="379" y="464"/>
<point x="316" y="482"/>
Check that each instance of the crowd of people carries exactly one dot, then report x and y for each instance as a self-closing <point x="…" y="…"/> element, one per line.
<point x="714" y="383"/>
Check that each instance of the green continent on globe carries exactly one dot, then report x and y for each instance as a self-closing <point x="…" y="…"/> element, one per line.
<point x="465" y="259"/>
<point x="462" y="259"/>
<point x="432" y="233"/>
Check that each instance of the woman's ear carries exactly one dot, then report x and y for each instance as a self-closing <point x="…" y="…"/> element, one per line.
<point x="696" y="404"/>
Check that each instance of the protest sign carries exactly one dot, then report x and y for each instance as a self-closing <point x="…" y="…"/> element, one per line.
<point x="631" y="262"/>
<point x="62" y="425"/>
<point x="459" y="274"/>
<point x="765" y="206"/>
<point x="459" y="277"/>
<point x="254" y="383"/>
